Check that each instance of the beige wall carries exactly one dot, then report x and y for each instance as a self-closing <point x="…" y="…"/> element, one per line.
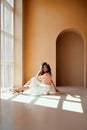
<point x="18" y="39"/>
<point x="43" y="21"/>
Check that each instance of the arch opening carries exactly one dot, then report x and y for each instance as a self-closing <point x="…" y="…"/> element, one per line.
<point x="70" y="59"/>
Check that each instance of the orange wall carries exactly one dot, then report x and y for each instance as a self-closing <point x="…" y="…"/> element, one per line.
<point x="43" y="21"/>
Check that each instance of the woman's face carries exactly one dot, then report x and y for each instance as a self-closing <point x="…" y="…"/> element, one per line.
<point x="45" y="68"/>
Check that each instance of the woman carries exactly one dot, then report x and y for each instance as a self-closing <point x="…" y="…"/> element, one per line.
<point x="41" y="84"/>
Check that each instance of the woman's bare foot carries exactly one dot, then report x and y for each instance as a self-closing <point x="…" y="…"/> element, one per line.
<point x="17" y="90"/>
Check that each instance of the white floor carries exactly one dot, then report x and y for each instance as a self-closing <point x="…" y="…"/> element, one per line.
<point x="66" y="110"/>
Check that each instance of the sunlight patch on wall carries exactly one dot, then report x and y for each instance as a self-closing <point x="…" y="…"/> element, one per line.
<point x="47" y="102"/>
<point x="73" y="98"/>
<point x="23" y="99"/>
<point x="6" y="96"/>
<point x="72" y="106"/>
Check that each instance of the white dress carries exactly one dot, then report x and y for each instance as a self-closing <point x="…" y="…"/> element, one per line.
<point x="38" y="88"/>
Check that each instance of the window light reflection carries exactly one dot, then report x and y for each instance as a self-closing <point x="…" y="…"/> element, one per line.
<point x="73" y="98"/>
<point x="23" y="99"/>
<point x="51" y="97"/>
<point x="6" y="96"/>
<point x="72" y="106"/>
<point x="47" y="102"/>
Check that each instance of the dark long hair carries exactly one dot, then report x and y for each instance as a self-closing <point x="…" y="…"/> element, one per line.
<point x="48" y="66"/>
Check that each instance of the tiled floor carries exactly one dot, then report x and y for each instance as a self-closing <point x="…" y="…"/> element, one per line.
<point x="66" y="110"/>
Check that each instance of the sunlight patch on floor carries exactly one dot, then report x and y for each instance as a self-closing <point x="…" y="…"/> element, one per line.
<point x="23" y="99"/>
<point x="78" y="96"/>
<point x="47" y="102"/>
<point x="6" y="95"/>
<point x="51" y="96"/>
<point x="72" y="106"/>
<point x="73" y="98"/>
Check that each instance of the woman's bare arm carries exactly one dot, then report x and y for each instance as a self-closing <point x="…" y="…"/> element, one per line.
<point x="38" y="74"/>
<point x="53" y="85"/>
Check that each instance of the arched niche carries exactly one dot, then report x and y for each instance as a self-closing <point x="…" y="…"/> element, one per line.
<point x="70" y="58"/>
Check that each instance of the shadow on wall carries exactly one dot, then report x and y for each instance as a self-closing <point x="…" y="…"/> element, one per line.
<point x="70" y="59"/>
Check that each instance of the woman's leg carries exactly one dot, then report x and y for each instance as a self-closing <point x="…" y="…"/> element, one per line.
<point x="27" y="84"/>
<point x="22" y="89"/>
<point x="18" y="90"/>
